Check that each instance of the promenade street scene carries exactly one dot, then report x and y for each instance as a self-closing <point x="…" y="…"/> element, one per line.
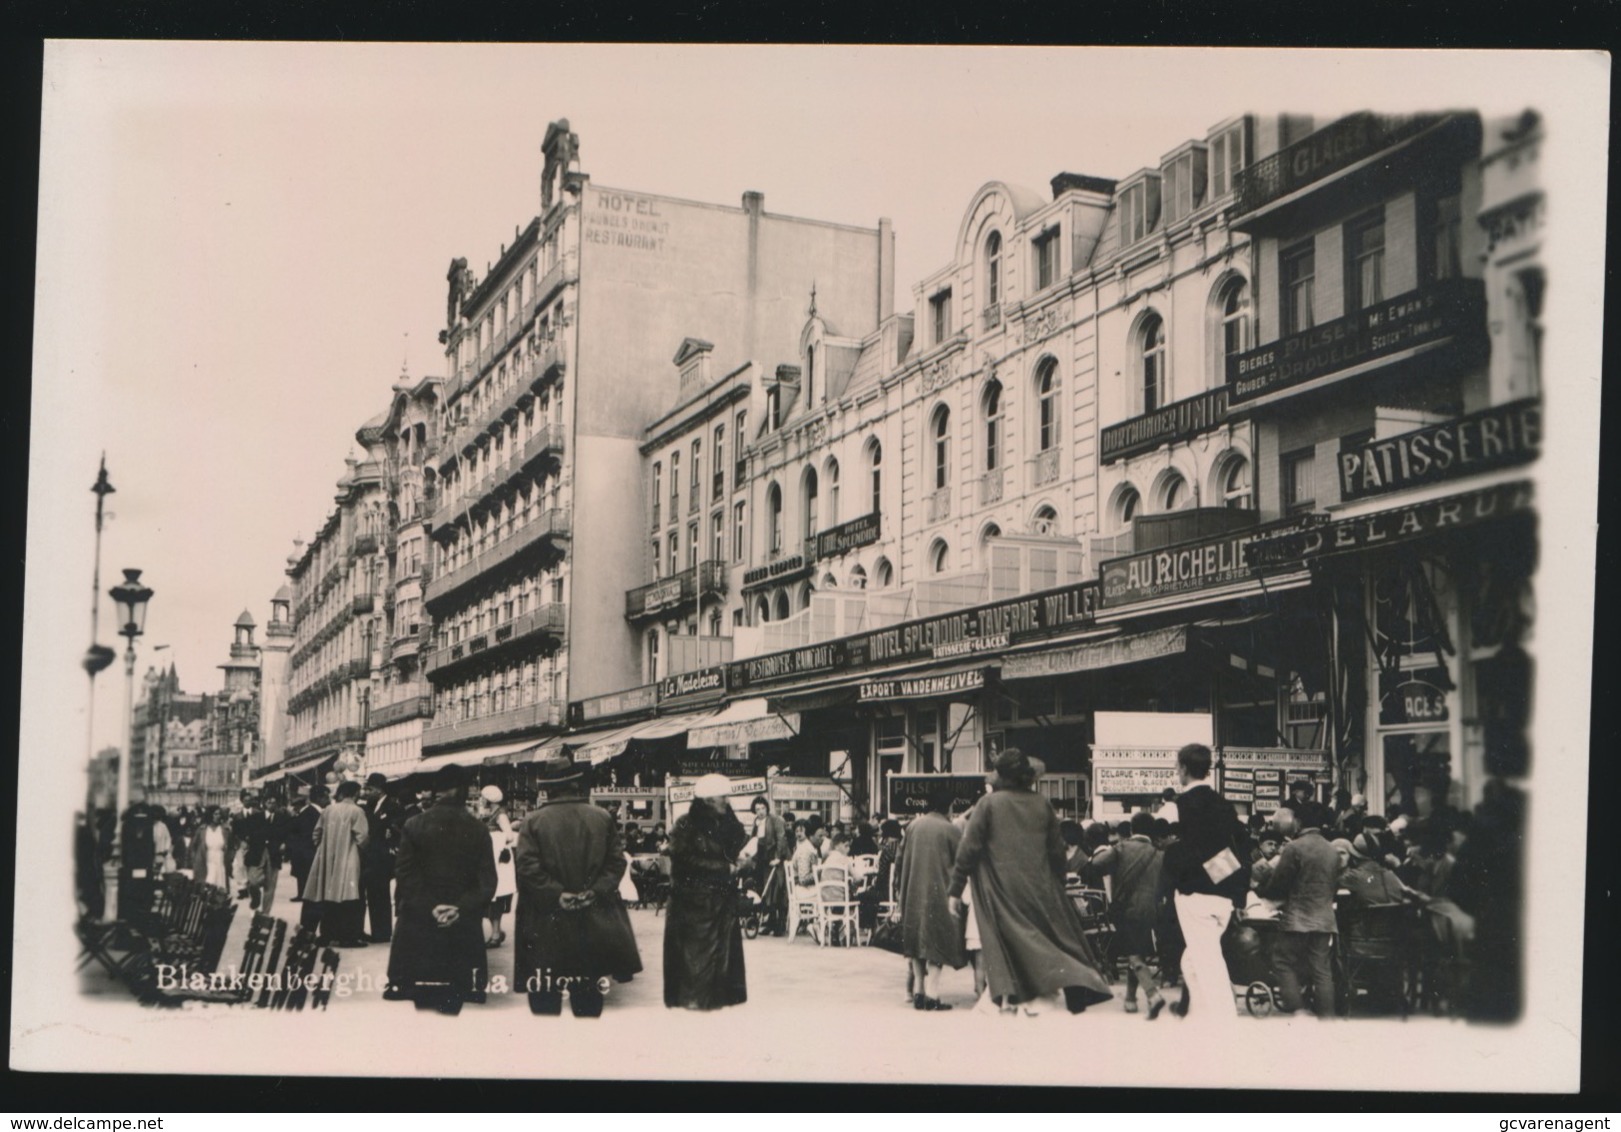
<point x="1109" y="615"/>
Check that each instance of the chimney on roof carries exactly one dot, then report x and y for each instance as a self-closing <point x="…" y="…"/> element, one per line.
<point x="1065" y="182"/>
<point x="754" y="202"/>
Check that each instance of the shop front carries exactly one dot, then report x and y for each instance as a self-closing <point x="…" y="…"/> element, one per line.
<point x="1134" y="758"/>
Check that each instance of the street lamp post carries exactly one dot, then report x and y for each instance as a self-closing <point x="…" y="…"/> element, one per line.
<point x="131" y="597"/>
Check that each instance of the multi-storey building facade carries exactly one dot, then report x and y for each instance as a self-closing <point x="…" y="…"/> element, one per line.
<point x="543" y="418"/>
<point x="337" y="583"/>
<point x="401" y="700"/>
<point x="234" y="733"/>
<point x="171" y="730"/>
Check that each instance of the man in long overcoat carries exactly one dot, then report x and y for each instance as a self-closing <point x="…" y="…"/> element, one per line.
<point x="931" y="936"/>
<point x="573" y="931"/>
<point x="444" y="877"/>
<point x="301" y="837"/>
<point x="1033" y="941"/>
<point x="383" y="821"/>
<point x="334" y="880"/>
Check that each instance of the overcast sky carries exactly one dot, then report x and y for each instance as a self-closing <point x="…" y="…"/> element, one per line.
<point x="240" y="244"/>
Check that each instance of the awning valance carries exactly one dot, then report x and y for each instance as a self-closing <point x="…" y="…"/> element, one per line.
<point x="472" y="757"/>
<point x="746" y="721"/>
<point x="1097" y="654"/>
<point x="665" y="727"/>
<point x="297" y="767"/>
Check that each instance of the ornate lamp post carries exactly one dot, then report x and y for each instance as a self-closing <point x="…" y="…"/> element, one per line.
<point x="131" y="597"/>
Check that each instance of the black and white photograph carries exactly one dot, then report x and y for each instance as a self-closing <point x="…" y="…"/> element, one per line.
<point x="941" y="565"/>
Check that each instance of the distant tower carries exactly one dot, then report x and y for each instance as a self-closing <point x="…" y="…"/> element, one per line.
<point x="273" y="679"/>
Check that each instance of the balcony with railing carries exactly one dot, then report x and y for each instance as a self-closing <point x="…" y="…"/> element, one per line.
<point x="1044" y="468"/>
<point x="937" y="505"/>
<point x="364" y="543"/>
<point x="546" y="527"/>
<point x="535" y="716"/>
<point x="399" y="703"/>
<point x="546" y="623"/>
<point x="363" y="603"/>
<point x="1326" y="156"/>
<point x="990" y="487"/>
<point x="552" y="364"/>
<point x="677" y="591"/>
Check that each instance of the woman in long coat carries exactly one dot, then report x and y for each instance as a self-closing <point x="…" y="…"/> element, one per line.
<point x="931" y="934"/>
<point x="334" y="880"/>
<point x="703" y="942"/>
<point x="1030" y="932"/>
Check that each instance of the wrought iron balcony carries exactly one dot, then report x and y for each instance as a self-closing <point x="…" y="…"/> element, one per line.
<point x="542" y="714"/>
<point x="400" y="703"/>
<point x="552" y="364"/>
<point x="990" y="487"/>
<point x="544" y="623"/>
<point x="364" y="603"/>
<point x="1044" y="468"/>
<point x="676" y="591"/>
<point x="364" y="544"/>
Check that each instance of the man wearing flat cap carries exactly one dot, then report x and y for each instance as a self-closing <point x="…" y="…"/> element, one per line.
<point x="383" y="823"/>
<point x="573" y="932"/>
<point x="703" y="941"/>
<point x="446" y="878"/>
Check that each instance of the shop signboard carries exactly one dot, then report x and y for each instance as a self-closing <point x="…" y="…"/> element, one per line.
<point x="1266" y="775"/>
<point x="983" y="628"/>
<point x="1180" y="420"/>
<point x="1499" y="437"/>
<point x="1266" y="805"/>
<point x="1135" y="779"/>
<point x="682" y="792"/>
<point x="632" y="701"/>
<point x="773" y="571"/>
<point x="1237" y="775"/>
<point x="909" y="793"/>
<point x="1175" y="570"/>
<point x="1416" y="318"/>
<point x="922" y="687"/>
<point x="847" y="536"/>
<point x="709" y="760"/>
<point x="788" y="664"/>
<point x="1417" y="696"/>
<point x="1385" y="528"/>
<point x="796" y="792"/>
<point x="663" y="595"/>
<point x="697" y="686"/>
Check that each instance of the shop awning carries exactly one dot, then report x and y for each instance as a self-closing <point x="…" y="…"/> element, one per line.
<point x="469" y="759"/>
<point x="541" y="751"/>
<point x="1090" y="655"/>
<point x="746" y="721"/>
<point x="665" y="727"/>
<point x="512" y="753"/>
<point x="297" y="767"/>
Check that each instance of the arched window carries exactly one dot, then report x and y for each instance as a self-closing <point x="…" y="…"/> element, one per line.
<point x="773" y="506"/>
<point x="809" y="500"/>
<point x="1173" y="493"/>
<point x="875" y="460"/>
<point x="993" y="274"/>
<point x="805" y="591"/>
<point x="1233" y="306"/>
<point x="990" y="534"/>
<point x="1126" y="505"/>
<point x="829" y="582"/>
<point x="832" y="477"/>
<point x="939" y="556"/>
<point x="858" y="578"/>
<point x="1235" y="483"/>
<point x="883" y="573"/>
<point x="1151" y="362"/>
<point x="1045" y="521"/>
<point x="940" y="430"/>
<point x="652" y="655"/>
<point x="762" y="610"/>
<point x="991" y="404"/>
<point x="782" y="605"/>
<point x="1047" y="405"/>
<point x="714" y="622"/>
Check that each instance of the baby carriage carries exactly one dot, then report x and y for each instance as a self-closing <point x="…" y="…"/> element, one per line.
<point x="1248" y="945"/>
<point x="750" y="909"/>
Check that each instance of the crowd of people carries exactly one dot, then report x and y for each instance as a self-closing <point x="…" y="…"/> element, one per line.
<point x="1005" y="887"/>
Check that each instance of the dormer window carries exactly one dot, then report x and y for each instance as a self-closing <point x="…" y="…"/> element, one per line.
<point x="1227" y="153"/>
<point x="1045" y="249"/>
<point x="940" y="315"/>
<point x="1139" y="210"/>
<point x="1184" y="183"/>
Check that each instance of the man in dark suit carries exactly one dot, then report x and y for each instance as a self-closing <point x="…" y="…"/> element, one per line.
<point x="301" y="837"/>
<point x="253" y="832"/>
<point x="383" y="821"/>
<point x="1211" y="877"/>
<point x="1303" y="878"/>
<point x="446" y="875"/>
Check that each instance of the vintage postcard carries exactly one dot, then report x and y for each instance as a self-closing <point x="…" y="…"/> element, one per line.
<point x="964" y="565"/>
